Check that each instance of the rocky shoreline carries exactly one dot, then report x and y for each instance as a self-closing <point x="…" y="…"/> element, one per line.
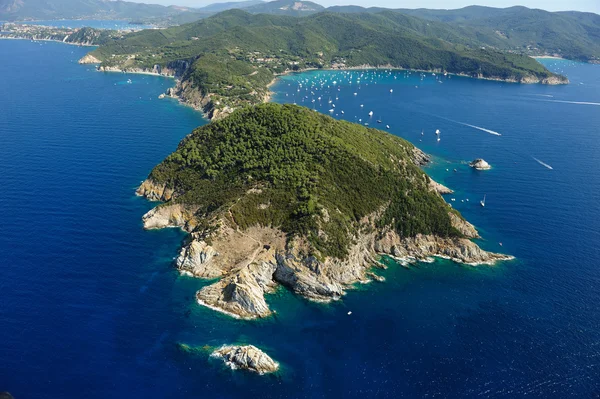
<point x="553" y="80"/>
<point x="253" y="262"/>
<point x="246" y="357"/>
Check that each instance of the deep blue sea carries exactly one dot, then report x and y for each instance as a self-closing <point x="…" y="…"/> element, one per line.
<point x="90" y="306"/>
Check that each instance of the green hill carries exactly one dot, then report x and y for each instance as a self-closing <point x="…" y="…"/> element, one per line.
<point x="233" y="55"/>
<point x="573" y="35"/>
<point x="303" y="162"/>
<point x="283" y="194"/>
<point x="286" y="7"/>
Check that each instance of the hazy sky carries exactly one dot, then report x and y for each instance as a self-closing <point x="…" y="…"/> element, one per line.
<point x="551" y="5"/>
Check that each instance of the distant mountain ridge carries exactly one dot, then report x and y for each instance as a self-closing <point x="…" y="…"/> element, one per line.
<point x="79" y="9"/>
<point x="286" y="7"/>
<point x="573" y="35"/>
<point x="218" y="7"/>
<point x="570" y="34"/>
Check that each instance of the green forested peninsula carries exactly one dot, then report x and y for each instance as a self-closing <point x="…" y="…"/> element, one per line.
<point x="230" y="58"/>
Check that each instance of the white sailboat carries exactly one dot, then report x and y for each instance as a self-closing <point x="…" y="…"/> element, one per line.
<point x="482" y="202"/>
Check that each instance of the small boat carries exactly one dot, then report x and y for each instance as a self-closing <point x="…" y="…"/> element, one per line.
<point x="129" y="81"/>
<point x="370" y="113"/>
<point x="378" y="120"/>
<point x="387" y="126"/>
<point x="482" y="202"/>
<point x="437" y="131"/>
<point x="422" y="133"/>
<point x="366" y="124"/>
<point x="391" y="90"/>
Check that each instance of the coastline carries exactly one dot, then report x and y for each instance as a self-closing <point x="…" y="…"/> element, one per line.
<point x="48" y="40"/>
<point x="188" y="96"/>
<point x="554" y="57"/>
<point x="207" y="109"/>
<point x="435" y="70"/>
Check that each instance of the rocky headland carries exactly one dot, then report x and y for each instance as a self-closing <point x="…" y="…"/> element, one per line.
<point x="253" y="262"/>
<point x="252" y="259"/>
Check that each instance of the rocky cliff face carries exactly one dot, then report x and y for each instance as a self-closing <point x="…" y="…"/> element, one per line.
<point x="184" y="89"/>
<point x="439" y="188"/>
<point x="247" y="357"/>
<point x="188" y="94"/>
<point x="89" y="59"/>
<point x="555" y="80"/>
<point x="173" y="69"/>
<point x="241" y="293"/>
<point x="419" y="158"/>
<point x="176" y="215"/>
<point x="251" y="263"/>
<point x="155" y="191"/>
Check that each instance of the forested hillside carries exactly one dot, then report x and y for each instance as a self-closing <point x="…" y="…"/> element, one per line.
<point x="235" y="54"/>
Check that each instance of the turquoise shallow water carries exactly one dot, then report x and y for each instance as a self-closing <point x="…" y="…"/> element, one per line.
<point x="91" y="307"/>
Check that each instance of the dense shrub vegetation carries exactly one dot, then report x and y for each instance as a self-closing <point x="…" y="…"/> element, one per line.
<point x="292" y="168"/>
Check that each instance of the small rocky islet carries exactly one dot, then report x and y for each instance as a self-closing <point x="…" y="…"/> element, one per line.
<point x="237" y="357"/>
<point x="282" y="195"/>
<point x="480" y="164"/>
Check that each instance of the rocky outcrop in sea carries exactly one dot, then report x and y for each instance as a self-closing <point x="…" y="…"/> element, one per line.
<point x="480" y="164"/>
<point x="246" y="357"/>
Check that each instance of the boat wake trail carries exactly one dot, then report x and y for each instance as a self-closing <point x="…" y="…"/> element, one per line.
<point x="469" y="125"/>
<point x="571" y="102"/>
<point x="478" y="128"/>
<point x="543" y="163"/>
